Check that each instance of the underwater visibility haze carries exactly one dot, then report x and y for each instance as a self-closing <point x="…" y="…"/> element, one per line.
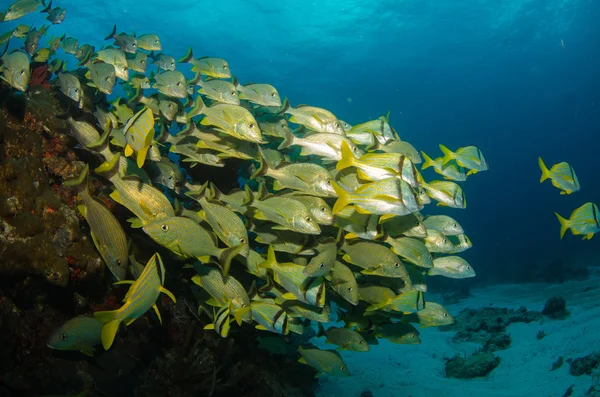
<point x="297" y="198"/>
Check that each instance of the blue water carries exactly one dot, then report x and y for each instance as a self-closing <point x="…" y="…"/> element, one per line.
<point x="519" y="79"/>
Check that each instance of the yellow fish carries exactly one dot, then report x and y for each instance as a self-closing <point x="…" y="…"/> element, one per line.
<point x="139" y="133"/>
<point x="142" y="296"/>
<point x="584" y="220"/>
<point x="562" y="176"/>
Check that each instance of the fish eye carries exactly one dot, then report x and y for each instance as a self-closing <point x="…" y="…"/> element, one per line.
<point x="172" y="63"/>
<point x="77" y="90"/>
<point x="156" y="41"/>
<point x="224" y="67"/>
<point x="468" y="267"/>
<point x="396" y="264"/>
<point x="417" y="223"/>
<point x="307" y="219"/>
<point x="349" y="289"/>
<point x="179" y="84"/>
<point x="22" y="72"/>
<point x="445" y="314"/>
<point x="430" y="256"/>
<point x="273" y="94"/>
<point x="342" y="368"/>
<point x="251" y="125"/>
<point x="232" y="92"/>
<point x="119" y="263"/>
<point x="444" y="241"/>
<point x="360" y="342"/>
<point x="125" y="68"/>
<point x="107" y="79"/>
<point x="64" y="336"/>
<point x="164" y="228"/>
<point x="170" y="177"/>
<point x="322" y="209"/>
<point x="454" y="225"/>
<point x="133" y="45"/>
<point x="243" y="240"/>
<point x="321" y="265"/>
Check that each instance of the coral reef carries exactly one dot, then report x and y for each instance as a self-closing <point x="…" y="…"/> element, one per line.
<point x="556" y="308"/>
<point x="476" y="365"/>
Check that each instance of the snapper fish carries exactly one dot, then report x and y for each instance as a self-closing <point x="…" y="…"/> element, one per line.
<point x="138" y="62"/>
<point x="149" y="42"/>
<point x="218" y="90"/>
<point x="326" y="362"/>
<point x="107" y="233"/>
<point x="313" y="118"/>
<point x="345" y="338"/>
<point x="70" y="45"/>
<point x="583" y="220"/>
<point x="55" y="15"/>
<point x="125" y="42"/>
<point x="323" y="144"/>
<point x="451" y="170"/>
<point x="81" y="333"/>
<point x="401" y="147"/>
<point x="259" y="94"/>
<point x="171" y="83"/>
<point x="207" y="66"/>
<point x="443" y="224"/>
<point x="446" y="193"/>
<point x="452" y="267"/>
<point x="163" y="61"/>
<point x="140" y="298"/>
<point x="32" y="40"/>
<point x="469" y="157"/>
<point x="562" y="176"/>
<point x="139" y="134"/>
<point x="103" y="76"/>
<point x="115" y="57"/>
<point x="19" y="9"/>
<point x="16" y="70"/>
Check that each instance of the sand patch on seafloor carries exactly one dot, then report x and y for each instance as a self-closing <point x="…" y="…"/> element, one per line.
<point x="390" y="370"/>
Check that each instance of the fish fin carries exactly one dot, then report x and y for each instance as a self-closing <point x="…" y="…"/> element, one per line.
<point x="112" y="34"/>
<point x="376" y="306"/>
<point x="448" y="154"/>
<point x="157" y="313"/>
<point x="123" y="282"/>
<point x="343" y="198"/>
<point x="262" y="169"/>
<point x="109" y="168"/>
<point x="564" y="225"/>
<point x="348" y="158"/>
<point x="239" y="314"/>
<point x="472" y="172"/>
<point x="168" y="293"/>
<point x="128" y="150"/>
<point x="278" y="185"/>
<point x="428" y="161"/>
<point x="189" y="55"/>
<point x="289" y="296"/>
<point x="227" y="255"/>
<point x="566" y="192"/>
<point x="87" y="350"/>
<point x="141" y="156"/>
<point x="136" y="223"/>
<point x="407" y="302"/>
<point x="351" y="236"/>
<point x="588" y="236"/>
<point x="440" y="204"/>
<point x="261" y="327"/>
<point x="545" y="171"/>
<point x="110" y="327"/>
<point x="82" y="209"/>
<point x="386" y="217"/>
<point x="288" y="140"/>
<point x="361" y="210"/>
<point x="116" y="196"/>
<point x="301" y="360"/>
<point x="271" y="259"/>
<point x="79" y="184"/>
<point x="209" y="326"/>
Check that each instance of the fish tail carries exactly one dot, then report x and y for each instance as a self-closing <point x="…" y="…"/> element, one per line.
<point x="197" y="79"/>
<point x="109" y="168"/>
<point x="288" y="140"/>
<point x="48" y="8"/>
<point x="236" y="83"/>
<point x="347" y="157"/>
<point x="189" y="55"/>
<point x="111" y="326"/>
<point x="321" y="330"/>
<point x="262" y="169"/>
<point x="448" y="154"/>
<point x="112" y="34"/>
<point x="428" y="161"/>
<point x="141" y="155"/>
<point x="564" y="224"/>
<point x="227" y="255"/>
<point x="343" y="198"/>
<point x="271" y="259"/>
<point x="284" y="106"/>
<point x="545" y="171"/>
<point x="80" y="183"/>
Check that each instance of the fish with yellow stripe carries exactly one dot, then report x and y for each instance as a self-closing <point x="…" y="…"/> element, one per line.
<point x="583" y="220"/>
<point x="562" y="176"/>
<point x="469" y="157"/>
<point x="140" y="298"/>
<point x="107" y="233"/>
<point x="139" y="134"/>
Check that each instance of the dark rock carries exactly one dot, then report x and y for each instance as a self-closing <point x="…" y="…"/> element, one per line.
<point x="474" y="366"/>
<point x="497" y="342"/>
<point x="584" y="365"/>
<point x="366" y="393"/>
<point x="557" y="364"/>
<point x="556" y="308"/>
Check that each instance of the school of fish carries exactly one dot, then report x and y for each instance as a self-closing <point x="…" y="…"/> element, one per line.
<point x="336" y="227"/>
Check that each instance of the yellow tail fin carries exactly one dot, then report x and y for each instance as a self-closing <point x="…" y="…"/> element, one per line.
<point x="347" y="157"/>
<point x="141" y="156"/>
<point x="564" y="225"/>
<point x="545" y="171"/>
<point x="343" y="198"/>
<point x="110" y="327"/>
<point x="428" y="161"/>
<point x="448" y="154"/>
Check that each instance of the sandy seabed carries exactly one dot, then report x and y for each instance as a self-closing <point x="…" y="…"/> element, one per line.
<point x="391" y="370"/>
